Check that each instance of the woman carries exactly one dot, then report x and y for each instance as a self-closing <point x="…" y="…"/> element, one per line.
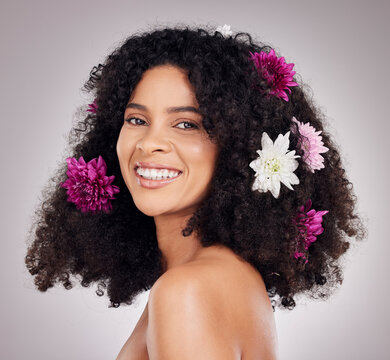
<point x="226" y="196"/>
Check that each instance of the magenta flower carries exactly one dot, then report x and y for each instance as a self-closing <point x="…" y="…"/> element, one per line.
<point x="88" y="186"/>
<point x="275" y="71"/>
<point x="311" y="144"/>
<point x="309" y="226"/>
<point x="92" y="107"/>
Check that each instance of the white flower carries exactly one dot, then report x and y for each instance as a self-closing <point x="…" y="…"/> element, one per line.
<point x="224" y="30"/>
<point x="274" y="165"/>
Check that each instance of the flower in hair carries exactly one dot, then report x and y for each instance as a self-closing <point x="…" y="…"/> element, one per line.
<point x="274" y="165"/>
<point x="311" y="144"/>
<point x="88" y="186"/>
<point x="309" y="225"/>
<point x="275" y="71"/>
<point x="224" y="30"/>
<point x="92" y="107"/>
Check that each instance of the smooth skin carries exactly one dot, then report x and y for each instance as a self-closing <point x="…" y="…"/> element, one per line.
<point x="209" y="303"/>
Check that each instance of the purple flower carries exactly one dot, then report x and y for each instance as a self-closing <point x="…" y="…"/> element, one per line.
<point x="275" y="71"/>
<point x="311" y="145"/>
<point x="309" y="226"/>
<point x="88" y="186"/>
<point x="92" y="107"/>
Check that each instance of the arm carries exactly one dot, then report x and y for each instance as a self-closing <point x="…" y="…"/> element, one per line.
<point x="185" y="321"/>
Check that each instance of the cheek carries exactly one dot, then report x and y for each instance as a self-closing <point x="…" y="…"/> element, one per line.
<point x="202" y="157"/>
<point x="123" y="147"/>
<point x="201" y="166"/>
<point x="119" y="144"/>
<point x="124" y="151"/>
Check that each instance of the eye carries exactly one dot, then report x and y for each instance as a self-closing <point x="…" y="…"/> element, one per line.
<point x="190" y="126"/>
<point x="193" y="125"/>
<point x="129" y="120"/>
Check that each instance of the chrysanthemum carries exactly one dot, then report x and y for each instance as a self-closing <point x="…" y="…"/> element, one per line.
<point x="92" y="107"/>
<point x="309" y="226"/>
<point x="311" y="144"/>
<point x="275" y="71"/>
<point x="88" y="186"/>
<point x="274" y="165"/>
<point x="224" y="30"/>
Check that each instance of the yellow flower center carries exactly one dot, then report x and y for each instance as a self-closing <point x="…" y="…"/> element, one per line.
<point x="273" y="165"/>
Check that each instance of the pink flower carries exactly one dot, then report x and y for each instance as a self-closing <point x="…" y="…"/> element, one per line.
<point x="309" y="226"/>
<point x="311" y="144"/>
<point x="88" y="186"/>
<point x="275" y="71"/>
<point x="92" y="107"/>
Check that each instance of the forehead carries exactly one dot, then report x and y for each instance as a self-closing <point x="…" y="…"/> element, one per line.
<point x="165" y="84"/>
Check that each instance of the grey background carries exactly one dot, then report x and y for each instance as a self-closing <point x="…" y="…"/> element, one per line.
<point x="340" y="49"/>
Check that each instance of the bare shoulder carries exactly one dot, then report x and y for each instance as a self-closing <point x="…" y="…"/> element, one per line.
<point x="214" y="275"/>
<point x="223" y="295"/>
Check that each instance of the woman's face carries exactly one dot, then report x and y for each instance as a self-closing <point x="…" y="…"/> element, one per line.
<point x="162" y="128"/>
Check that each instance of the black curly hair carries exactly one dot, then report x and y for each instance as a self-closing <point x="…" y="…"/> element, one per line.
<point x="119" y="249"/>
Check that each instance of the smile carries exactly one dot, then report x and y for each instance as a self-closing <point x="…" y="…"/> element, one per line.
<point x="154" y="184"/>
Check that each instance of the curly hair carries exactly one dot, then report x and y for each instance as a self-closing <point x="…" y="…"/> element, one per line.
<point x="119" y="249"/>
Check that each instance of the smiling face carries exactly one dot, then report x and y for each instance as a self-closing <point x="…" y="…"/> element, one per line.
<point x="162" y="127"/>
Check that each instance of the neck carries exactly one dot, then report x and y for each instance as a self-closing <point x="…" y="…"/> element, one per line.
<point x="176" y="248"/>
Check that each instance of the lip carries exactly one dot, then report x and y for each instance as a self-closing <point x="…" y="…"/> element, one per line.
<point x="151" y="165"/>
<point x="153" y="184"/>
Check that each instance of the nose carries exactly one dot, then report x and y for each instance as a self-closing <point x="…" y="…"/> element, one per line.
<point x="153" y="140"/>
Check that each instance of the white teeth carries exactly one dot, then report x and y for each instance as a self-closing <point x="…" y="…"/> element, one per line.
<point x="157" y="174"/>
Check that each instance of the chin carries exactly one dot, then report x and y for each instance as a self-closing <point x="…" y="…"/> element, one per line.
<point x="151" y="210"/>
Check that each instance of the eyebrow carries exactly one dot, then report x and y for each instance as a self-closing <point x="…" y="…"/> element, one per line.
<point x="173" y="109"/>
